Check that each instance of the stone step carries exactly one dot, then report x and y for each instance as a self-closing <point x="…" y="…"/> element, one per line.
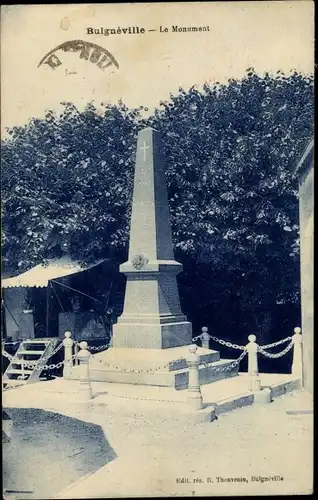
<point x="126" y="373"/>
<point x="36" y="341"/>
<point x="130" y="359"/>
<point x="18" y="371"/>
<point x="29" y="351"/>
<point x="225" y="395"/>
<point x="208" y="373"/>
<point x="20" y="361"/>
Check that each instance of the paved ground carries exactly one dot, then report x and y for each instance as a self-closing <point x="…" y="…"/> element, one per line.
<point x="155" y="451"/>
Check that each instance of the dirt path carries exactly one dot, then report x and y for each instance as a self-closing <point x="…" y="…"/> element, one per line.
<point x="48" y="451"/>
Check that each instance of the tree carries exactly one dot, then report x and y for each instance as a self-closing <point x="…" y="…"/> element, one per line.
<point x="67" y="184"/>
<point x="232" y="150"/>
<point x="230" y="153"/>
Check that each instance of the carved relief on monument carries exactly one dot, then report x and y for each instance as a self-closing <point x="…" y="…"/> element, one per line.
<point x="140" y="260"/>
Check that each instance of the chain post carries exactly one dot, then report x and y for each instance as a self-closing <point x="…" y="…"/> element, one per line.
<point x="297" y="366"/>
<point x="194" y="391"/>
<point x="76" y="351"/>
<point x="254" y="380"/>
<point x="68" y="343"/>
<point x="205" y="337"/>
<point x="85" y="387"/>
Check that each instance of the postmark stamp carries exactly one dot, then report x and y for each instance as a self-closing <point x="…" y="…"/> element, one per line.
<point x="88" y="51"/>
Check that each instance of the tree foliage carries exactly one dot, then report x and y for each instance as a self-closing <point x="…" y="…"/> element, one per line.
<point x="232" y="150"/>
<point x="230" y="154"/>
<point x="67" y="184"/>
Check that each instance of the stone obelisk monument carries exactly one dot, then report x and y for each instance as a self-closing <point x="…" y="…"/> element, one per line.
<point x="152" y="316"/>
<point x="151" y="338"/>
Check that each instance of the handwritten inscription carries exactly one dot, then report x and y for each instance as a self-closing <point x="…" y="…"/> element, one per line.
<point x="86" y="50"/>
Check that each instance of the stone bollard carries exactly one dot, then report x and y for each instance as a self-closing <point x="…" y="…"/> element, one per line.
<point x="297" y="366"/>
<point x="205" y="338"/>
<point x="77" y="350"/>
<point x="254" y="380"/>
<point x="68" y="353"/>
<point x="84" y="381"/>
<point x="194" y="391"/>
<point x="263" y="396"/>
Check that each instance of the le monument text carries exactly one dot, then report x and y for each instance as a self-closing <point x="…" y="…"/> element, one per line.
<point x="138" y="30"/>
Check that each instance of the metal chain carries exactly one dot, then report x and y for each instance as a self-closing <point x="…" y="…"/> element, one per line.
<point x="157" y="368"/>
<point x="197" y="337"/>
<point x="58" y="348"/>
<point x="274" y="344"/>
<point x="114" y="367"/>
<point x="51" y="366"/>
<point x="235" y="346"/>
<point x="33" y="364"/>
<point x="261" y="349"/>
<point x="229" y="367"/>
<point x="227" y="344"/>
<point x="7" y="355"/>
<point x="105" y="346"/>
<point x="239" y="359"/>
<point x="220" y="341"/>
<point x="277" y="355"/>
<point x="93" y="348"/>
<point x="99" y="348"/>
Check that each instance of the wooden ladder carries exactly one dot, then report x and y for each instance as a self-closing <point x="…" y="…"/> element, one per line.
<point x="29" y="350"/>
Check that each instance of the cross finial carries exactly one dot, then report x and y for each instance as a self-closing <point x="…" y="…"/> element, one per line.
<point x="143" y="148"/>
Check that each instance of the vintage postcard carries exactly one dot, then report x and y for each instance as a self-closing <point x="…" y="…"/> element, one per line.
<point x="157" y="249"/>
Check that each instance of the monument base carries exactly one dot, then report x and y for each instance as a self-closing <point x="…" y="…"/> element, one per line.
<point x="156" y="367"/>
<point x="165" y="333"/>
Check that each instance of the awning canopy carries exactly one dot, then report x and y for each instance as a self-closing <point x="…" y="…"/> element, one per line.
<point x="40" y="275"/>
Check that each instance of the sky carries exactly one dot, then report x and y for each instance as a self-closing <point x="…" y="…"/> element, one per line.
<point x="268" y="36"/>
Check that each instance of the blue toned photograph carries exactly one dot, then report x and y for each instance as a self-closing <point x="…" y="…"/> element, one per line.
<point x="157" y="249"/>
